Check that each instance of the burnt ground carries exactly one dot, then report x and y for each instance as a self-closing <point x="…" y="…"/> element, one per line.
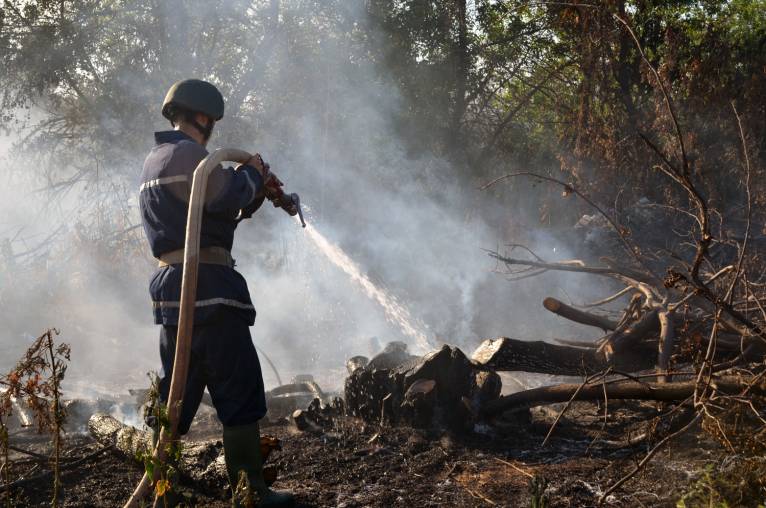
<point x="353" y="464"/>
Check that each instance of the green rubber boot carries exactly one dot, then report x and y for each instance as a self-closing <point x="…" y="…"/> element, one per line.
<point x="242" y="449"/>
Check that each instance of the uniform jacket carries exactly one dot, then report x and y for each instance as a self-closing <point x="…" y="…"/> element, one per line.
<point x="232" y="194"/>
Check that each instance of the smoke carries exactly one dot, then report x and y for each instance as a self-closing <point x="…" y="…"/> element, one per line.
<point x="57" y="270"/>
<point x="413" y="224"/>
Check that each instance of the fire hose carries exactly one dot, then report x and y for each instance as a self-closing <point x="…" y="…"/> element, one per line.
<point x="291" y="204"/>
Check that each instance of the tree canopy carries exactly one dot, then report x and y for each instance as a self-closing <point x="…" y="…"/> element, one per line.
<point x="486" y="85"/>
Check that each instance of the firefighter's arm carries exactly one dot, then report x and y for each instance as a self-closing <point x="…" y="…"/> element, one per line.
<point x="231" y="190"/>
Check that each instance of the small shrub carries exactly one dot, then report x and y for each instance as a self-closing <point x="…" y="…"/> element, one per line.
<point x="36" y="379"/>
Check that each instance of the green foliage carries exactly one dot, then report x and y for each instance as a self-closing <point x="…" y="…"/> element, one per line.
<point x="485" y="85"/>
<point x="735" y="486"/>
<point x="537" y="487"/>
<point x="164" y="471"/>
<point x="6" y="467"/>
<point x="36" y="379"/>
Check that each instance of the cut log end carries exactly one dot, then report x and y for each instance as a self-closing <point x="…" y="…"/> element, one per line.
<point x="487" y="350"/>
<point x="552" y="304"/>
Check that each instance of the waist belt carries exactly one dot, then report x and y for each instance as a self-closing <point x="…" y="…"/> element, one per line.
<point x="207" y="255"/>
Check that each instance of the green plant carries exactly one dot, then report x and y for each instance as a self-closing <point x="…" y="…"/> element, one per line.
<point x="165" y="472"/>
<point x="537" y="486"/>
<point x="36" y="379"/>
<point x="243" y="494"/>
<point x="56" y="363"/>
<point x="740" y="484"/>
<point x="6" y="466"/>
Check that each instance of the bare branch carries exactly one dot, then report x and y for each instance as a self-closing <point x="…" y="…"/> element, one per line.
<point x="648" y="457"/>
<point x="609" y="299"/>
<point x="586" y="318"/>
<point x="570" y="188"/>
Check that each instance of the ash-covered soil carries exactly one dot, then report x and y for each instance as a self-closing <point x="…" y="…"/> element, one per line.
<point x="353" y="464"/>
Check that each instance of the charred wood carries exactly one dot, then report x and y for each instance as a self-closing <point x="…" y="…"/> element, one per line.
<point x="440" y="389"/>
<point x="505" y="354"/>
<point x="644" y="328"/>
<point x="627" y="389"/>
<point x="72" y="464"/>
<point x="419" y="403"/>
<point x="577" y="315"/>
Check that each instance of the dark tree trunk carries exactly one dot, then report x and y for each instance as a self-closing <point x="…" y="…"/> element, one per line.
<point x="627" y="389"/>
<point x="506" y="354"/>
<point x="462" y="59"/>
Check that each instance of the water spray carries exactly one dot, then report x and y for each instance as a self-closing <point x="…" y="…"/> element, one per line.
<point x="395" y="312"/>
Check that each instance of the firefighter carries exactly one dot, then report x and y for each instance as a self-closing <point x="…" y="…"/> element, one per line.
<point x="223" y="357"/>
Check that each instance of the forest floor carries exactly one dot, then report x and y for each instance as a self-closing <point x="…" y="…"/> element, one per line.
<point x="353" y="464"/>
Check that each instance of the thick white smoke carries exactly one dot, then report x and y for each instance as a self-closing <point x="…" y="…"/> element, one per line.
<point x="411" y="222"/>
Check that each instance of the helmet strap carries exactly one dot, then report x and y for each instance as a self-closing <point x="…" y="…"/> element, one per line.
<point x="190" y="117"/>
<point x="205" y="130"/>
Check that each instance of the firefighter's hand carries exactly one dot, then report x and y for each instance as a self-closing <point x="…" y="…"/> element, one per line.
<point x="272" y="184"/>
<point x="257" y="162"/>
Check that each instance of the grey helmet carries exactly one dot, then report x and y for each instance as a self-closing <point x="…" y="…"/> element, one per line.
<point x="194" y="95"/>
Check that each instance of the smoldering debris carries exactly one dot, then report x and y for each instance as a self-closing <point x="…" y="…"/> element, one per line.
<point x="200" y="462"/>
<point x="442" y="388"/>
<point x="318" y="417"/>
<point x="283" y="400"/>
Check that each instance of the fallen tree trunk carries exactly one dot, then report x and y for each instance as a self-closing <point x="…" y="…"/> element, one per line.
<point x="505" y="354"/>
<point x="627" y="389"/>
<point x="201" y="462"/>
<point x="578" y="316"/>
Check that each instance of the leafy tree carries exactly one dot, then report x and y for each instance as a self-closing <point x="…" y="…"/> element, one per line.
<point x="486" y="85"/>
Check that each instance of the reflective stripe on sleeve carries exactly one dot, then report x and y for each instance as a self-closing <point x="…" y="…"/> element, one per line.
<point x="163" y="181"/>
<point x="206" y="303"/>
<point x="251" y="184"/>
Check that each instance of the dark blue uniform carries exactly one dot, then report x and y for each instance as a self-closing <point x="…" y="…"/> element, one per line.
<point x="223" y="357"/>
